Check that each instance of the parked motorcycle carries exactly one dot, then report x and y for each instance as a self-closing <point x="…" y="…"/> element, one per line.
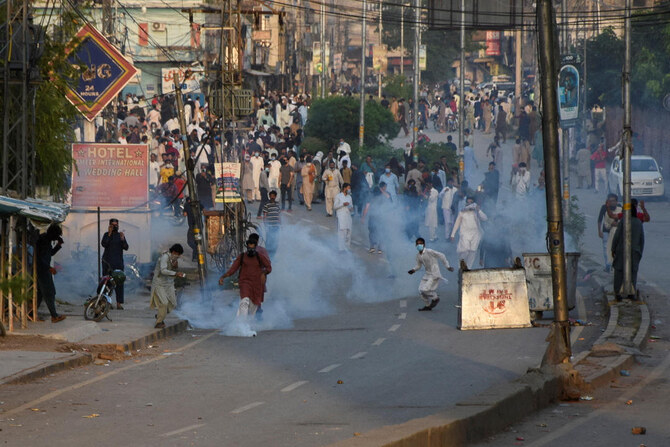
<point x="97" y="307"/>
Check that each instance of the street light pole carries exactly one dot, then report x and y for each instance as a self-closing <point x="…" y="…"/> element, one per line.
<point x="559" y="347"/>
<point x="379" y="91"/>
<point x="628" y="288"/>
<point x="417" y="45"/>
<point x="461" y="102"/>
<point x="322" y="32"/>
<point x="402" y="40"/>
<point x="361" y="127"/>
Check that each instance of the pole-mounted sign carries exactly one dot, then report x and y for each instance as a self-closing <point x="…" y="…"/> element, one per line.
<point x="107" y="72"/>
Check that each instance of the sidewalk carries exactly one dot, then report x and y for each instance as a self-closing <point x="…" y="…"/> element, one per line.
<point x="45" y="348"/>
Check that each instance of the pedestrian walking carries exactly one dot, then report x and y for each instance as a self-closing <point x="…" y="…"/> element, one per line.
<point x="44" y="250"/>
<point x="264" y="187"/>
<point x="287" y="177"/>
<point x="344" y="206"/>
<point x="447" y="196"/>
<point x="600" y="159"/>
<point x="163" y="296"/>
<point x="430" y="220"/>
<point x="637" y="247"/>
<point x="469" y="224"/>
<point x="333" y="180"/>
<point x="114" y="243"/>
<point x="608" y="221"/>
<point x="583" y="168"/>
<point x="272" y="220"/>
<point x="308" y="174"/>
<point x="430" y="260"/>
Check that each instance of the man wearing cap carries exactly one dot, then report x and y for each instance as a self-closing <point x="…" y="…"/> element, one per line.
<point x="114" y="243"/>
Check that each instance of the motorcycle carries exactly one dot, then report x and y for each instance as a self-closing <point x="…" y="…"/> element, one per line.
<point x="97" y="307"/>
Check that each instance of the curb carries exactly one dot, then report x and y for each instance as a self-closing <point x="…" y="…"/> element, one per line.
<point x="84" y="359"/>
<point x="168" y="331"/>
<point x="501" y="405"/>
<point x="42" y="371"/>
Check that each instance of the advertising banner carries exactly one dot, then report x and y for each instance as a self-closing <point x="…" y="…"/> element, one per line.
<point x="227" y="182"/>
<point x="189" y="85"/>
<point x="568" y="94"/>
<point x="110" y="176"/>
<point x="422" y="57"/>
<point x="493" y="43"/>
<point x="107" y="72"/>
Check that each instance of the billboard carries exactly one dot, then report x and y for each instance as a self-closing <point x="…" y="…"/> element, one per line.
<point x="189" y="85"/>
<point x="227" y="182"/>
<point x="487" y="14"/>
<point x="110" y="176"/>
<point x="107" y="72"/>
<point x="568" y="93"/>
<point x="493" y="43"/>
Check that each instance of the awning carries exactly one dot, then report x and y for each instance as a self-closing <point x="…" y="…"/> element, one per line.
<point x="256" y="72"/>
<point x="40" y="211"/>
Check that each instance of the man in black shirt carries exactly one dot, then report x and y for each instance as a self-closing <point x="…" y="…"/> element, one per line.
<point x="45" y="283"/>
<point x="114" y="243"/>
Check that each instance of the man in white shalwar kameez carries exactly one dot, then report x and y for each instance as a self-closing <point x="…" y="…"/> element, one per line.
<point x="431" y="211"/>
<point x="163" y="296"/>
<point x="430" y="259"/>
<point x="344" y="206"/>
<point x="469" y="224"/>
<point x="447" y="195"/>
<point x="257" y="164"/>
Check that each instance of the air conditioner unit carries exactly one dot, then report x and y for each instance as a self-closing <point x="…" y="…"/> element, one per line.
<point x="157" y="26"/>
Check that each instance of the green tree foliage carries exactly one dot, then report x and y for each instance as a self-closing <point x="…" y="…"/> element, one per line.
<point x="603" y="66"/>
<point x="397" y="86"/>
<point x="337" y="117"/>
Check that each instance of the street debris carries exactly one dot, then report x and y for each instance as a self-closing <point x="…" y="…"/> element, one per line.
<point x="339" y="382"/>
<point x="520" y="438"/>
<point x="624" y="373"/>
<point x="91" y="416"/>
<point x="629" y="402"/>
<point x="639" y="430"/>
<point x="586" y="398"/>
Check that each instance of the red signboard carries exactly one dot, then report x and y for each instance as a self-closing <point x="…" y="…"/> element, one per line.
<point x="110" y="176"/>
<point x="493" y="43"/>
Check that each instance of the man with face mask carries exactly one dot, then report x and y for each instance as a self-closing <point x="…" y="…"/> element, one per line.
<point x="273" y="175"/>
<point x="257" y="165"/>
<point x="391" y="181"/>
<point x="163" y="296"/>
<point x="521" y="181"/>
<point x="332" y="179"/>
<point x="430" y="259"/>
<point x="114" y="243"/>
<point x="252" y="266"/>
<point x="264" y="187"/>
<point x="344" y="206"/>
<point x="469" y="224"/>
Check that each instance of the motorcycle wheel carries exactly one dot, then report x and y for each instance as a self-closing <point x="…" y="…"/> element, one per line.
<point x="97" y="309"/>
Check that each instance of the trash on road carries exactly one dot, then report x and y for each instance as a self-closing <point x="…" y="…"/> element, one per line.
<point x="91" y="416"/>
<point x="639" y="430"/>
<point x="624" y="372"/>
<point x="339" y="382"/>
<point x="586" y="398"/>
<point x="629" y="402"/>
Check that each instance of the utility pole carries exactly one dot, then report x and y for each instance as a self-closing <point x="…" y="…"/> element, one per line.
<point x="518" y="71"/>
<point x="379" y="92"/>
<point x="565" y="140"/>
<point x="461" y="102"/>
<point x="559" y="347"/>
<point x="402" y="41"/>
<point x="322" y="32"/>
<point x="192" y="191"/>
<point x="361" y="127"/>
<point x="417" y="45"/>
<point x="628" y="289"/>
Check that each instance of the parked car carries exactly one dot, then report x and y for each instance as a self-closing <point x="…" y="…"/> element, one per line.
<point x="646" y="177"/>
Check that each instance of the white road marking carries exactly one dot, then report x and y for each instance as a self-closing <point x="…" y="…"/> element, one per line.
<point x="54" y="394"/>
<point x="293" y="386"/>
<point x="403" y="303"/>
<point x="306" y="220"/>
<point x="394" y="328"/>
<point x="329" y="368"/>
<point x="247" y="407"/>
<point x="182" y="430"/>
<point x="324" y="227"/>
<point x="402" y="316"/>
<point x="378" y="342"/>
<point x="358" y="355"/>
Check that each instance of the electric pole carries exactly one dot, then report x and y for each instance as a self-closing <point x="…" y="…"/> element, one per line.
<point x="417" y="45"/>
<point x="322" y="32"/>
<point x="565" y="140"/>
<point x="402" y="42"/>
<point x="379" y="92"/>
<point x="461" y="102"/>
<point x="627" y="288"/>
<point x="559" y="347"/>
<point x="192" y="191"/>
<point x="361" y="127"/>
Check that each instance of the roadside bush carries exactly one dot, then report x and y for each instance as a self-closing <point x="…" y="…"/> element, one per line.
<point x="397" y="86"/>
<point x="313" y="145"/>
<point x="431" y="152"/>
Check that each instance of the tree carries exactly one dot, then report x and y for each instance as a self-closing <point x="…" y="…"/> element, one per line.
<point x="337" y="117"/>
<point x="603" y="66"/>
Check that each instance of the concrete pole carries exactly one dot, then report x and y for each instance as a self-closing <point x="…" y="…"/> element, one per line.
<point x="565" y="141"/>
<point x="560" y="332"/>
<point x="518" y="72"/>
<point x="192" y="191"/>
<point x="461" y="103"/>
<point x="364" y="29"/>
<point x="402" y="40"/>
<point x="628" y="288"/>
<point x="417" y="45"/>
<point x="379" y="92"/>
<point x="324" y="22"/>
